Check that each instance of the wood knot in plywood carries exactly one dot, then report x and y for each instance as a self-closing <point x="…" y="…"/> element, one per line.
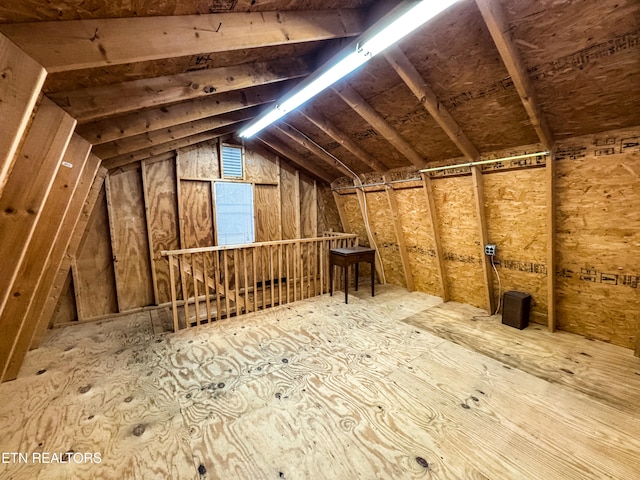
<point x="138" y="430"/>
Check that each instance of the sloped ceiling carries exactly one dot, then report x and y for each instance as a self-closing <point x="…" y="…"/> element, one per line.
<point x="578" y="64"/>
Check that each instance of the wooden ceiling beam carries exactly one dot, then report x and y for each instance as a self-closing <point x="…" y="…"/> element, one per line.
<point x="157" y="137"/>
<point x="501" y="34"/>
<point x="89" y="43"/>
<point x="122" y="160"/>
<point x="401" y="64"/>
<point x="13" y="318"/>
<point x="285" y="131"/>
<point x="20" y="84"/>
<point x="96" y="103"/>
<point x="129" y="125"/>
<point x="281" y="149"/>
<point x="342" y="138"/>
<point x="28" y="187"/>
<point x="379" y="124"/>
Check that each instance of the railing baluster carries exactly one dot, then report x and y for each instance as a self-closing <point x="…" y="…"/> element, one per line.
<point x="302" y="272"/>
<point x="174" y="295"/>
<point x="287" y="271"/>
<point x="245" y="279"/>
<point x="194" y="275"/>
<point x="225" y="277"/>
<point x="263" y="276"/>
<point x="185" y="291"/>
<point x="320" y="246"/>
<point x="236" y="272"/>
<point x="254" y="265"/>
<point x="206" y="277"/>
<point x="271" y="279"/>
<point x="314" y="249"/>
<point x="216" y="282"/>
<point x="294" y="257"/>
<point x="279" y="250"/>
<point x="309" y="270"/>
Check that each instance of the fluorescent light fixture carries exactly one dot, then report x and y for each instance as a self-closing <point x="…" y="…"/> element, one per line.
<point x="418" y="13"/>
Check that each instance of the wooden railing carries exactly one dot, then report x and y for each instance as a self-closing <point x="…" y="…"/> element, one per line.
<point x="211" y="283"/>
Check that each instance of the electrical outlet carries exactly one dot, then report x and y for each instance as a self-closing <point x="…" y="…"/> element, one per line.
<point x="490" y="249"/>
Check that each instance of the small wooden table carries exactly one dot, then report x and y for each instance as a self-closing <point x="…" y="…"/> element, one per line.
<point x="344" y="257"/>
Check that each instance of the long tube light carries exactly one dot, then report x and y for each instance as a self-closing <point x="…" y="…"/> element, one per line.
<point x="406" y="23"/>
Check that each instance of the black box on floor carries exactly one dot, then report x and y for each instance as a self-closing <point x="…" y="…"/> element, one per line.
<point x="515" y="309"/>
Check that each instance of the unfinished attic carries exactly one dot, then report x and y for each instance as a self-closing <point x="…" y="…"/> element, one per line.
<point x="303" y="239"/>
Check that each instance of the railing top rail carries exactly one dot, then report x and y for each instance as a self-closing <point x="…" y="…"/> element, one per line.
<point x="257" y="244"/>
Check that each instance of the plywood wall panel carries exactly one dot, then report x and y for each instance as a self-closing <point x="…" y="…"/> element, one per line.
<point x="260" y="169"/>
<point x="352" y="211"/>
<point x="267" y="213"/>
<point x="94" y="261"/>
<point x="328" y="216"/>
<point x="65" y="248"/>
<point x="196" y="214"/>
<point x="66" y="310"/>
<point x="290" y="203"/>
<point x="308" y="208"/>
<point x="384" y="234"/>
<point x="129" y="240"/>
<point x="459" y="229"/>
<point x="598" y="244"/>
<point x="199" y="161"/>
<point x="162" y="220"/>
<point x="414" y="215"/>
<point x="516" y="222"/>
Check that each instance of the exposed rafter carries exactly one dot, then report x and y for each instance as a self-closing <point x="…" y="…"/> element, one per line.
<point x="420" y="89"/>
<point x="500" y="32"/>
<point x="138" y="155"/>
<point x="281" y="149"/>
<point x="28" y="186"/>
<point x="115" y="128"/>
<point x="400" y="237"/>
<point x="19" y="92"/>
<point x="13" y="316"/>
<point x="287" y="131"/>
<point x="89" y="104"/>
<point x="73" y="45"/>
<point x="435" y="234"/>
<point x="479" y="196"/>
<point x="342" y="138"/>
<point x="379" y="124"/>
<point x="158" y="137"/>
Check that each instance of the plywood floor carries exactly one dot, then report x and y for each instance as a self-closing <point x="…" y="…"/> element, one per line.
<point x="391" y="387"/>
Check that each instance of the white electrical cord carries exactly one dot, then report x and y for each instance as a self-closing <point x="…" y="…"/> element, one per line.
<point x="499" y="285"/>
<point x="365" y="214"/>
